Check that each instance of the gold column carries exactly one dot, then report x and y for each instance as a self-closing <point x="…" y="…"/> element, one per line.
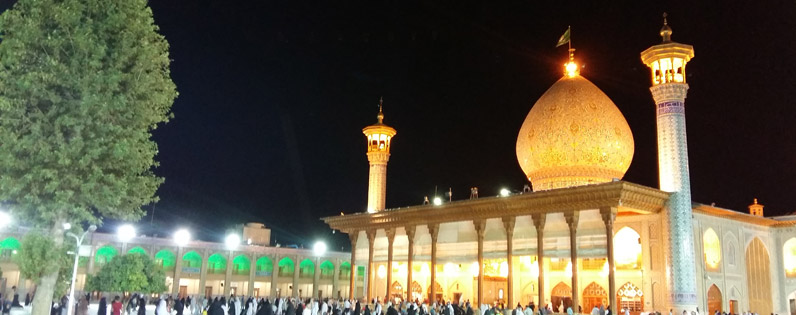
<point x="609" y="215"/>
<point x="538" y="222"/>
<point x="572" y="221"/>
<point x="390" y="238"/>
<point x="433" y="229"/>
<point x="410" y="235"/>
<point x="480" y="226"/>
<point x="353" y="236"/>
<point x="508" y="224"/>
<point x="371" y="238"/>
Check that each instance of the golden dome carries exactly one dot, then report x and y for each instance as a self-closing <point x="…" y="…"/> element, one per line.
<point x="574" y="135"/>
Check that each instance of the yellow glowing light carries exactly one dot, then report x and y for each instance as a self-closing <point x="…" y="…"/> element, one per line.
<point x="568" y="270"/>
<point x="630" y="256"/>
<point x="474" y="269"/>
<point x="425" y="270"/>
<point x="504" y="269"/>
<point x="572" y="69"/>
<point x="525" y="261"/>
<point x="535" y="269"/>
<point x="401" y="269"/>
<point x="381" y="272"/>
<point x="451" y="270"/>
<point x="712" y="250"/>
<point x="789" y="250"/>
<point x="604" y="272"/>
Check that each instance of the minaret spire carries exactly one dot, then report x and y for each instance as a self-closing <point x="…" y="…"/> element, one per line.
<point x="669" y="89"/>
<point x="379" y="139"/>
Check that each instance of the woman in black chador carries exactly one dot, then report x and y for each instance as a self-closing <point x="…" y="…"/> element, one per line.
<point x="103" y="307"/>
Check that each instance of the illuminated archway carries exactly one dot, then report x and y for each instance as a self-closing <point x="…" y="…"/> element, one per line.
<point x="629" y="257"/>
<point x="345" y="271"/>
<point x="758" y="277"/>
<point x="137" y="250"/>
<point x="216" y="263"/>
<point x="192" y="259"/>
<point x="105" y="254"/>
<point x="9" y="247"/>
<point x="166" y="259"/>
<point x="437" y="291"/>
<point x="593" y="296"/>
<point x="286" y="267"/>
<point x="789" y="256"/>
<point x="417" y="291"/>
<point x="561" y="298"/>
<point x="714" y="300"/>
<point x="712" y="250"/>
<point x="630" y="297"/>
<point x="327" y="270"/>
<point x="241" y="265"/>
<point x="265" y="266"/>
<point x="396" y="290"/>
<point x="306" y="269"/>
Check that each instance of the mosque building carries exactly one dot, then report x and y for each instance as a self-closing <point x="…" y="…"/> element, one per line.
<point x="583" y="237"/>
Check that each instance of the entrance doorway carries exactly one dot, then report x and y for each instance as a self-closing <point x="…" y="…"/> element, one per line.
<point x="631" y="298"/>
<point x="183" y="291"/>
<point x="714" y="300"/>
<point x="438" y="292"/>
<point x="209" y="292"/>
<point x="594" y="296"/>
<point x="734" y="307"/>
<point x="561" y="298"/>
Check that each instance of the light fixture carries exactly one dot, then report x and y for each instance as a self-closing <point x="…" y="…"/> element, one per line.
<point x="232" y="241"/>
<point x="437" y="201"/>
<point x="67" y="226"/>
<point x="5" y="219"/>
<point x="182" y="237"/>
<point x="381" y="272"/>
<point x="125" y="232"/>
<point x="474" y="269"/>
<point x="319" y="248"/>
<point x="504" y="192"/>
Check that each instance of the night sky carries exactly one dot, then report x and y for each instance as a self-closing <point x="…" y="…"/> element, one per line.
<point x="274" y="94"/>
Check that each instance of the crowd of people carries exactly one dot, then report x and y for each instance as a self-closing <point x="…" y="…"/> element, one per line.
<point x="241" y="305"/>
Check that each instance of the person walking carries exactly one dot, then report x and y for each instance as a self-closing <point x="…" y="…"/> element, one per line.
<point x="116" y="306"/>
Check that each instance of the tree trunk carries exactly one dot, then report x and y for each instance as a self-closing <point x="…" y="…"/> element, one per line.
<point x="42" y="301"/>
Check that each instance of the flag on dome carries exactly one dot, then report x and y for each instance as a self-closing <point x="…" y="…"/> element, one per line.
<point x="564" y="38"/>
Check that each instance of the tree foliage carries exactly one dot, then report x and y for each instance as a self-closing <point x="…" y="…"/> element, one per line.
<point x="82" y="85"/>
<point x="129" y="273"/>
<point x="40" y="256"/>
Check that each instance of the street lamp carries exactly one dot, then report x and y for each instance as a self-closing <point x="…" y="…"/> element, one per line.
<point x="125" y="233"/>
<point x="5" y="219"/>
<point x="79" y="242"/>
<point x="505" y="192"/>
<point x="232" y="241"/>
<point x="182" y="237"/>
<point x="319" y="249"/>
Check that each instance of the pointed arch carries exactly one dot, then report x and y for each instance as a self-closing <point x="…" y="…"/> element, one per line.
<point x="327" y="270"/>
<point x="396" y="289"/>
<point x="9" y="247"/>
<point x="629" y="241"/>
<point x="789" y="257"/>
<point x="166" y="259"/>
<point x="758" y="277"/>
<point x="105" y="254"/>
<point x="630" y="297"/>
<point x="286" y="267"/>
<point x="265" y="266"/>
<point x="714" y="300"/>
<point x="345" y="271"/>
<point x="594" y="295"/>
<point x="306" y="269"/>
<point x="216" y="263"/>
<point x="561" y="297"/>
<point x="438" y="290"/>
<point x="192" y="259"/>
<point x="712" y="250"/>
<point x="241" y="265"/>
<point x="137" y="250"/>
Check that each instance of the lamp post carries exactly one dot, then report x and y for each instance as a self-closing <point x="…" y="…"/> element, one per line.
<point x="232" y="241"/>
<point x="79" y="242"/>
<point x="319" y="249"/>
<point x="181" y="238"/>
<point x="125" y="233"/>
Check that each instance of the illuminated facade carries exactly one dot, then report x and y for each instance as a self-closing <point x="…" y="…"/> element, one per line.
<point x="379" y="139"/>
<point x="584" y="237"/>
<point x="207" y="268"/>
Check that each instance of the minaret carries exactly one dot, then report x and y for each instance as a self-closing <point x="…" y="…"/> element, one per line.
<point x="667" y="61"/>
<point x="379" y="137"/>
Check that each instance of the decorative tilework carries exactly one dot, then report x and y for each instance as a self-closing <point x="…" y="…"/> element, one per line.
<point x="675" y="178"/>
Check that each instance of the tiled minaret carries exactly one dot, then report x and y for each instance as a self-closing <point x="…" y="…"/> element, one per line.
<point x="379" y="138"/>
<point x="667" y="61"/>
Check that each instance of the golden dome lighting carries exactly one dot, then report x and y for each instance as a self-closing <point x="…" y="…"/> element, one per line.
<point x="574" y="135"/>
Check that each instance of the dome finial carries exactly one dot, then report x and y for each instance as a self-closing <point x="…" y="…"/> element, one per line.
<point x="380" y="116"/>
<point x="666" y="31"/>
